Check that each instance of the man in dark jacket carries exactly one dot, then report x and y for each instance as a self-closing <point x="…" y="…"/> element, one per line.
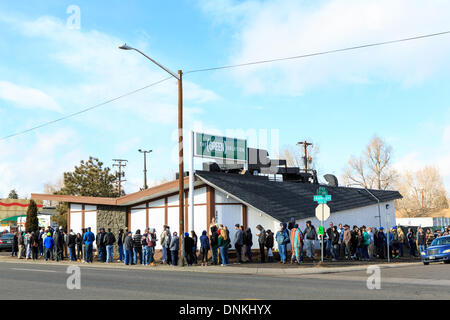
<point x="238" y="242"/>
<point x="128" y="249"/>
<point x="248" y="241"/>
<point x="120" y="239"/>
<point x="110" y="239"/>
<point x="137" y="247"/>
<point x="101" y="247"/>
<point x="188" y="248"/>
<point x="71" y="245"/>
<point x="214" y="239"/>
<point x="310" y="236"/>
<point x="261" y="241"/>
<point x="58" y="238"/>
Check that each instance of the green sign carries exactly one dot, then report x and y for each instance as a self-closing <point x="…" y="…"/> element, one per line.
<point x="322" y="196"/>
<point x="209" y="146"/>
<point x="320" y="231"/>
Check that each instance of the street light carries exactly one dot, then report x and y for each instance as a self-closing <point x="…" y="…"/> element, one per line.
<point x="179" y="77"/>
<point x="379" y="213"/>
<point x="145" y="166"/>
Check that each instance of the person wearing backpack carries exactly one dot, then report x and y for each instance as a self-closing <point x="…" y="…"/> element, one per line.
<point x="151" y="243"/>
<point x="282" y="238"/>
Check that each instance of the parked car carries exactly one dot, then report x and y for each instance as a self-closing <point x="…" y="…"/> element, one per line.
<point x="6" y="241"/>
<point x="438" y="251"/>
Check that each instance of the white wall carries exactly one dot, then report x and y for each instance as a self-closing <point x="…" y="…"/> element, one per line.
<point x="75" y="221"/>
<point x="138" y="220"/>
<point x="229" y="216"/>
<point x="156" y="220"/>
<point x="255" y="217"/>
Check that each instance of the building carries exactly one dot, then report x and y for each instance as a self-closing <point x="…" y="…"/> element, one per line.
<point x="231" y="198"/>
<point x="12" y="212"/>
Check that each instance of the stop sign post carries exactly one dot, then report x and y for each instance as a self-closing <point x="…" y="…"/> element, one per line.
<point x="322" y="210"/>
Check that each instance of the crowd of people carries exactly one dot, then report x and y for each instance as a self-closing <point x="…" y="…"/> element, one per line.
<point x="292" y="244"/>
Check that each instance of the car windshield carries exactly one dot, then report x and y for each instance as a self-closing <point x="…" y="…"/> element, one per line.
<point x="441" y="241"/>
<point x="7" y="235"/>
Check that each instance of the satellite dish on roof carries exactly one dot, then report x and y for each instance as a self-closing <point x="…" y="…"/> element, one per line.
<point x="331" y="180"/>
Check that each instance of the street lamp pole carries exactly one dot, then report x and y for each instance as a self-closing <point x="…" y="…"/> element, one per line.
<point x="180" y="147"/>
<point x="145" y="166"/>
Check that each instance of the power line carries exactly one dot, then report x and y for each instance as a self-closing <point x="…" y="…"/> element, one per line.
<point x="84" y="110"/>
<point x="319" y="53"/>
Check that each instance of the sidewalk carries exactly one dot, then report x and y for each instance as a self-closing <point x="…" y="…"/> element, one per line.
<point x="249" y="269"/>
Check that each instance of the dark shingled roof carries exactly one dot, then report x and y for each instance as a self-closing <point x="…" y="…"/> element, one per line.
<point x="285" y="200"/>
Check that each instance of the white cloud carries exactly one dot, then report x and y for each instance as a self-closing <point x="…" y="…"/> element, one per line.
<point x="283" y="28"/>
<point x="25" y="97"/>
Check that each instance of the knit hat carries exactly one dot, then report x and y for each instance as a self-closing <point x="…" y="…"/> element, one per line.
<point x="49" y="234"/>
<point x="186" y="234"/>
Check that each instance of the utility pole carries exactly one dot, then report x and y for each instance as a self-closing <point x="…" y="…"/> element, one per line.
<point x="145" y="166"/>
<point x="305" y="158"/>
<point x="120" y="163"/>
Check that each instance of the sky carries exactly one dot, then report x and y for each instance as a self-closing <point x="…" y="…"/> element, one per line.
<point x="58" y="57"/>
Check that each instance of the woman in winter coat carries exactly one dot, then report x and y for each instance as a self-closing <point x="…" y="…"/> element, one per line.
<point x="78" y="245"/>
<point x="282" y="238"/>
<point x="15" y="247"/>
<point x="194" y="248"/>
<point x="248" y="242"/>
<point x="223" y="243"/>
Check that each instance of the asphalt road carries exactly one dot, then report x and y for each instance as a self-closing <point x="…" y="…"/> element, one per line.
<point x="34" y="281"/>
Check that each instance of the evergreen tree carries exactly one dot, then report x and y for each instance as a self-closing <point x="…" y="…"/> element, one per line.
<point x="32" y="223"/>
<point x="13" y="194"/>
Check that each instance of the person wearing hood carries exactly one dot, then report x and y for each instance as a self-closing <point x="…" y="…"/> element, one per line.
<point x="71" y="245"/>
<point x="282" y="238"/>
<point x="248" y="242"/>
<point x="381" y="243"/>
<point x="204" y="248"/>
<point x="214" y="238"/>
<point x="188" y="249"/>
<point x="296" y="244"/>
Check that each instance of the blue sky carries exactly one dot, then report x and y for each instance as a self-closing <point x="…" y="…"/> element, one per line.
<point x="400" y="92"/>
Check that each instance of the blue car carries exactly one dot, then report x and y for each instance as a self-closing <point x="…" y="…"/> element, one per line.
<point x="438" y="251"/>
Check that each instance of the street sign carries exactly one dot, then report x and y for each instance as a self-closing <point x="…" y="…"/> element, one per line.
<point x="322" y="212"/>
<point x="217" y="147"/>
<point x="320" y="231"/>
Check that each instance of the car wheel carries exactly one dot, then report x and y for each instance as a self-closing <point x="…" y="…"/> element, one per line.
<point x="447" y="261"/>
<point x="426" y="263"/>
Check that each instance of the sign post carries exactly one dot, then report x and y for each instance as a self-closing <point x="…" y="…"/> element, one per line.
<point x="322" y="212"/>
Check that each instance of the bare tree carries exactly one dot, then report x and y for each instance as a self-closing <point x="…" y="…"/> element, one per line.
<point x="423" y="192"/>
<point x="373" y="168"/>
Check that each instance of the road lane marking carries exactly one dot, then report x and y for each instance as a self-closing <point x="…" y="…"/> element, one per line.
<point x="37" y="270"/>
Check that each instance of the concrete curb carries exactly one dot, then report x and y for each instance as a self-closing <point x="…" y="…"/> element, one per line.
<point x="218" y="269"/>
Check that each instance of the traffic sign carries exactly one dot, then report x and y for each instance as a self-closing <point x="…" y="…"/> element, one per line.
<point x="323" y="212"/>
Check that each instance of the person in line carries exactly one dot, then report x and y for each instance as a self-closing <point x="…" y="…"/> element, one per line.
<point x="214" y="240"/>
<point x="223" y="243"/>
<point x="365" y="244"/>
<point x="27" y="242"/>
<point x="329" y="246"/>
<point x="58" y="237"/>
<point x="347" y="238"/>
<point x="421" y="241"/>
<point x="194" y="248"/>
<point x="341" y="241"/>
<point x="48" y="247"/>
<point x="109" y="241"/>
<point x="402" y="241"/>
<point x="145" y="248"/>
<point x="128" y="249"/>
<point x="101" y="246"/>
<point x="238" y="242"/>
<point x="310" y="235"/>
<point x="41" y="241"/>
<point x="15" y="247"/>
<point x="21" y="244"/>
<point x="248" y="241"/>
<point x="120" y="238"/>
<point x="79" y="246"/>
<point x="204" y="248"/>
<point x="334" y="243"/>
<point x="381" y="243"/>
<point x="89" y="239"/>
<point x="65" y="245"/>
<point x="151" y="242"/>
<point x="83" y="245"/>
<point x="165" y="243"/>
<point x="137" y="247"/>
<point x="395" y="243"/>
<point x="174" y="246"/>
<point x="269" y="245"/>
<point x="34" y="244"/>
<point x="411" y="243"/>
<point x="282" y="238"/>
<point x="296" y="245"/>
<point x="371" y="248"/>
<point x="261" y="241"/>
<point x="71" y="245"/>
<point x="188" y="249"/>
